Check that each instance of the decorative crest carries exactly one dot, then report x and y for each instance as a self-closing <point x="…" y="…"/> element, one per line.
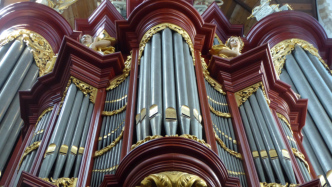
<point x="173" y="179"/>
<point x="40" y="48"/>
<point x="85" y="88"/>
<point x="62" y="182"/>
<point x="284" y="48"/>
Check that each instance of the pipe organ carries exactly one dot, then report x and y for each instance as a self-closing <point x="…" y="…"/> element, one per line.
<point x="160" y="110"/>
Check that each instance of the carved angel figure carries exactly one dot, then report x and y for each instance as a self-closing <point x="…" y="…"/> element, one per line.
<point x="231" y="49"/>
<point x="102" y="43"/>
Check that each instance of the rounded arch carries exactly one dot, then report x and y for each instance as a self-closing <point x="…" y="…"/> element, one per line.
<point x="37" y="18"/>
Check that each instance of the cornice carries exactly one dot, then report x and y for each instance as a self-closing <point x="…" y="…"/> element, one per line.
<point x="103" y="17"/>
<point x="256" y="66"/>
<point x="225" y="29"/>
<point x="27" y="179"/>
<point x="152" y="13"/>
<point x="38" y="18"/>
<point x="163" y="154"/>
<point x="74" y="60"/>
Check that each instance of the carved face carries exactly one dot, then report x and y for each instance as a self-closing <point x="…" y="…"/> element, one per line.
<point x="234" y="42"/>
<point x="86" y="39"/>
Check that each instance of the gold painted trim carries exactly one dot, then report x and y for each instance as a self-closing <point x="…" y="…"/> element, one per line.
<point x="322" y="179"/>
<point x="216" y="102"/>
<point x="42" y="114"/>
<point x="255" y="154"/>
<point x="264" y="184"/>
<point x="273" y="153"/>
<point x="285" y="153"/>
<point x="85" y="88"/>
<point x="74" y="150"/>
<point x="263" y="154"/>
<point x="299" y="155"/>
<point x="40" y="48"/>
<point x="329" y="176"/>
<point x="282" y="49"/>
<point x="222" y="133"/>
<point x="27" y="151"/>
<point x="172" y="178"/>
<point x="62" y="182"/>
<point x="114" y="112"/>
<point x="219" y="113"/>
<point x="223" y="145"/>
<point x="147" y="36"/>
<point x="242" y="95"/>
<point x="146" y="139"/>
<point x="81" y="150"/>
<point x="118" y="80"/>
<point x="283" y="118"/>
<point x="110" y="146"/>
<point x="50" y="149"/>
<point x="63" y="149"/>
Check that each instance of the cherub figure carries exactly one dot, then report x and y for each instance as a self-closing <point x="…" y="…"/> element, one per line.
<point x="231" y="49"/>
<point x="102" y="43"/>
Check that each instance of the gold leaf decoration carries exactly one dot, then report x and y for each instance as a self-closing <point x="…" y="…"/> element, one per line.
<point x="188" y="136"/>
<point x="43" y="113"/>
<point x="119" y="79"/>
<point x="283" y="118"/>
<point x="223" y="145"/>
<point x="62" y="182"/>
<point x="282" y="49"/>
<point x="40" y="48"/>
<point x="219" y="113"/>
<point x="28" y="150"/>
<point x="111" y="113"/>
<point x="85" y="88"/>
<point x="299" y="155"/>
<point x="147" y="36"/>
<point x="172" y="179"/>
<point x="110" y="146"/>
<point x="242" y="95"/>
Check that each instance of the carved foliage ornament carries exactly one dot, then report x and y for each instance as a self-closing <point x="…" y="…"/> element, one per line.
<point x="85" y="88"/>
<point x="242" y="95"/>
<point x="282" y="49"/>
<point x="118" y="80"/>
<point x="172" y="179"/>
<point x="62" y="182"/>
<point x="28" y="150"/>
<point x="147" y="36"/>
<point x="40" y="48"/>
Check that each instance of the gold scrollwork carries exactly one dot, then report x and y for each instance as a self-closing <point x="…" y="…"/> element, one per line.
<point x="192" y="137"/>
<point x="119" y="79"/>
<point x="28" y="150"/>
<point x="223" y="145"/>
<point x="283" y="118"/>
<point x="299" y="155"/>
<point x="110" y="146"/>
<point x="43" y="113"/>
<point x="282" y="49"/>
<point x="85" y="88"/>
<point x="242" y="95"/>
<point x="264" y="184"/>
<point x="40" y="48"/>
<point x="147" y="36"/>
<point x="146" y="139"/>
<point x="219" y="113"/>
<point x="173" y="179"/>
<point x="62" y="182"/>
<point x="111" y="113"/>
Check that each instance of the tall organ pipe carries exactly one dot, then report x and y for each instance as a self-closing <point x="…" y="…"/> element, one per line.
<point x="58" y="133"/>
<point x="169" y="98"/>
<point x="145" y="98"/>
<point x="183" y="110"/>
<point x="156" y="105"/>
<point x="193" y="101"/>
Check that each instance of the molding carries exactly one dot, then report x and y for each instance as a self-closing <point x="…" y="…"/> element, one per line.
<point x="29" y="180"/>
<point x="163" y="154"/>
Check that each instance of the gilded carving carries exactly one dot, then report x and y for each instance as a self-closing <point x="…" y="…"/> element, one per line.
<point x="299" y="155"/>
<point x="223" y="145"/>
<point x="118" y="80"/>
<point x="62" y="182"/>
<point x="188" y="136"/>
<point x="110" y="146"/>
<point x="231" y="49"/>
<point x="282" y="49"/>
<point x="264" y="184"/>
<point x="43" y="113"/>
<point x="242" y="95"/>
<point x="147" y="36"/>
<point x="219" y="113"/>
<point x="111" y="113"/>
<point x="172" y="179"/>
<point x="85" y="88"/>
<point x="283" y="118"/>
<point x="40" y="48"/>
<point x="28" y="150"/>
